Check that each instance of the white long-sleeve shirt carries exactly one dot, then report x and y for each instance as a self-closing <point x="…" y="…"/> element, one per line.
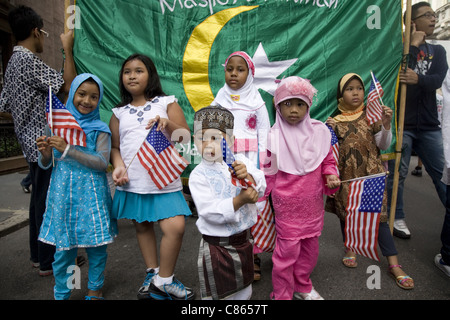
<point x="213" y="193"/>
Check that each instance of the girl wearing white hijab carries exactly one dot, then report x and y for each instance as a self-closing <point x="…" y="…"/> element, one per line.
<point x="242" y="98"/>
<point x="251" y="121"/>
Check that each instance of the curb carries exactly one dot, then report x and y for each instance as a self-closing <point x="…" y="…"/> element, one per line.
<point x="18" y="220"/>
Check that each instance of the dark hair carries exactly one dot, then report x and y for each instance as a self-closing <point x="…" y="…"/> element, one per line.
<point x="341" y="93"/>
<point x="91" y="81"/>
<point x="22" y="21"/>
<point x="153" y="88"/>
<point x="415" y="8"/>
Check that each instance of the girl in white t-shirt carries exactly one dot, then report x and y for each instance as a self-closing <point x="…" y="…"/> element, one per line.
<point x="136" y="196"/>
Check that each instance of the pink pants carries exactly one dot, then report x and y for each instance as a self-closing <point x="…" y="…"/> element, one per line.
<point x="293" y="263"/>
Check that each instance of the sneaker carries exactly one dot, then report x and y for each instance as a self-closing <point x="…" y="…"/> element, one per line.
<point x="313" y="295"/>
<point x="143" y="290"/>
<point x="441" y="264"/>
<point x="401" y="230"/>
<point x="34" y="264"/>
<point x="45" y="273"/>
<point x="417" y="172"/>
<point x="173" y="291"/>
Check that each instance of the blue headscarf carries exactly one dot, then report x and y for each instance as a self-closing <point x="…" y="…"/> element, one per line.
<point x="91" y="121"/>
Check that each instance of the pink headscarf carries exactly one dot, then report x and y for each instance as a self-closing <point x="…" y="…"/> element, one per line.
<point x="249" y="96"/>
<point x="301" y="148"/>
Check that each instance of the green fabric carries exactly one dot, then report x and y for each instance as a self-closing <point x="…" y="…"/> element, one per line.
<point x="329" y="38"/>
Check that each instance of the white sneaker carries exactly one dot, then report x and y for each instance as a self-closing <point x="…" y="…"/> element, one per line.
<point x="172" y="291"/>
<point x="313" y="295"/>
<point x="401" y="230"/>
<point x="441" y="264"/>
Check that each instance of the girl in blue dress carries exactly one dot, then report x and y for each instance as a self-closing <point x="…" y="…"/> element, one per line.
<point x="79" y="199"/>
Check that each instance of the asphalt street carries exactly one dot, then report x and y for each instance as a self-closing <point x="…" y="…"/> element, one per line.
<point x="125" y="269"/>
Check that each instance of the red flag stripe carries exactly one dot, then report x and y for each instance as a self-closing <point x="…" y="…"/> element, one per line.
<point x="263" y="231"/>
<point x="147" y="157"/>
<point x="159" y="166"/>
<point x="64" y="125"/>
<point x="361" y="228"/>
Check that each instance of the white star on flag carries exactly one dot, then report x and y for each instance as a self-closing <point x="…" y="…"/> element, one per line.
<point x="365" y="201"/>
<point x="266" y="72"/>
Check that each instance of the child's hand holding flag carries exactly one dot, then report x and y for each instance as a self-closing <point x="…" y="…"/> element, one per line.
<point x="237" y="168"/>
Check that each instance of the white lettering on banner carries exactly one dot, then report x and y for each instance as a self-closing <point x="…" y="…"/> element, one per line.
<point x="374" y="21"/>
<point x="173" y="5"/>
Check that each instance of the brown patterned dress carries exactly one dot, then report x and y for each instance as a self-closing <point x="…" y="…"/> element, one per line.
<point x="359" y="156"/>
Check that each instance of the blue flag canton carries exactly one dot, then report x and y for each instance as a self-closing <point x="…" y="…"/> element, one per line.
<point x="334" y="138"/>
<point x="228" y="156"/>
<point x="56" y="103"/>
<point x="158" y="140"/>
<point x="372" y="196"/>
<point x="372" y="84"/>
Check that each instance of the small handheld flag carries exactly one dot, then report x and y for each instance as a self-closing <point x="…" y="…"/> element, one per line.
<point x="334" y="146"/>
<point x="365" y="200"/>
<point x="263" y="231"/>
<point x="62" y="122"/>
<point x="162" y="161"/>
<point x="229" y="159"/>
<point x="374" y="110"/>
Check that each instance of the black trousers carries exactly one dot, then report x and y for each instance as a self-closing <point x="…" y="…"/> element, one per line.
<point x="40" y="252"/>
<point x="445" y="234"/>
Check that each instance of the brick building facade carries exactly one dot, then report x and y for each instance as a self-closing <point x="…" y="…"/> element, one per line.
<point x="52" y="12"/>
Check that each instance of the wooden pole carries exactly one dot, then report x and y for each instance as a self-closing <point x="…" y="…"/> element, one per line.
<point x="66" y="15"/>
<point x="401" y="117"/>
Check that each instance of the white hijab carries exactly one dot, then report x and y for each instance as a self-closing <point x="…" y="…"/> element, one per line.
<point x="246" y="98"/>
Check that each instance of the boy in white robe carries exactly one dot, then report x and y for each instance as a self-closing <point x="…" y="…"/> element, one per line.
<point x="226" y="209"/>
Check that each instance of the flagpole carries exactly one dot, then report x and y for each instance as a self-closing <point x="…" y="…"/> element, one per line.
<point x="66" y="15"/>
<point x="366" y="177"/>
<point x="126" y="170"/>
<point x="376" y="87"/>
<point x="401" y="117"/>
<point x="50" y="123"/>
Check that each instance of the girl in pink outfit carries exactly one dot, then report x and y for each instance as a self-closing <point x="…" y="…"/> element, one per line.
<point x="301" y="170"/>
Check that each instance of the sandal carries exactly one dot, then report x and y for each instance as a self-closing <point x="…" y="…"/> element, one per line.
<point x="350" y="262"/>
<point x="256" y="268"/>
<point x="400" y="280"/>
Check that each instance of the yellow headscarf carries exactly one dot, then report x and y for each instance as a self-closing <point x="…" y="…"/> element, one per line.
<point x="348" y="114"/>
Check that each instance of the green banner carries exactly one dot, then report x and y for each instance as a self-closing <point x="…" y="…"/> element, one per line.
<point x="189" y="40"/>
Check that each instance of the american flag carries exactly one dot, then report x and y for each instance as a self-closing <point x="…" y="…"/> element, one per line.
<point x="334" y="146"/>
<point x="374" y="109"/>
<point x="229" y="159"/>
<point x="263" y="231"/>
<point x="161" y="159"/>
<point x="364" y="204"/>
<point x="63" y="124"/>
